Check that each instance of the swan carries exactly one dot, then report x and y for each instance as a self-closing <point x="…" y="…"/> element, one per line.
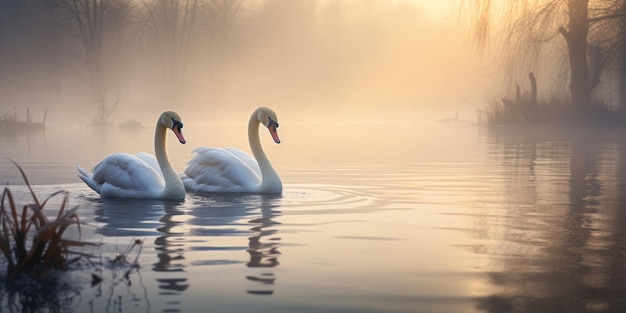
<point x="233" y="170"/>
<point x="140" y="176"/>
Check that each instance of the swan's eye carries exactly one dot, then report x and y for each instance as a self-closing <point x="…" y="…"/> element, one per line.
<point x="176" y="124"/>
<point x="272" y="122"/>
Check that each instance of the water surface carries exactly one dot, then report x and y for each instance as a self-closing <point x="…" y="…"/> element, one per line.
<point x="375" y="217"/>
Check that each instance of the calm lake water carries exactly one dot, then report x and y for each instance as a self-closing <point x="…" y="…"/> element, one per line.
<point x="375" y="217"/>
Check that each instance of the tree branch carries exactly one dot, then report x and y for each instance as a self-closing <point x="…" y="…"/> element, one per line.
<point x="565" y="34"/>
<point x="606" y="17"/>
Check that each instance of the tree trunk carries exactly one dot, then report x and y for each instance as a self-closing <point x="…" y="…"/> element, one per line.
<point x="576" y="38"/>
<point x="622" y="66"/>
<point x="533" y="89"/>
<point x="622" y="85"/>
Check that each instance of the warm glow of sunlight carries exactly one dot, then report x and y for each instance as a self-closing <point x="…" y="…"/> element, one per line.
<point x="435" y="9"/>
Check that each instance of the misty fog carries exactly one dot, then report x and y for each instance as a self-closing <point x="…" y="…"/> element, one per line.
<point x="376" y="205"/>
<point x="216" y="60"/>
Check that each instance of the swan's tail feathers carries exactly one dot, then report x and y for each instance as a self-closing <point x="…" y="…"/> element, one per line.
<point x="87" y="178"/>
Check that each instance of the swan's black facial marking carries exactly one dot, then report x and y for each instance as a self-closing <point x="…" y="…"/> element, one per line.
<point x="176" y="125"/>
<point x="272" y="122"/>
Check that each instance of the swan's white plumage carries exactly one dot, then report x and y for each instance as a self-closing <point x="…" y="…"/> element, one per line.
<point x="233" y="170"/>
<point x="222" y="170"/>
<point x="124" y="175"/>
<point x="151" y="160"/>
<point x="140" y="176"/>
<point x="247" y="159"/>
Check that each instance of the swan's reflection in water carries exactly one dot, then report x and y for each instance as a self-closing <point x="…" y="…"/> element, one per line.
<point x="231" y="216"/>
<point x="129" y="217"/>
<point x="263" y="247"/>
<point x="149" y="218"/>
<point x="208" y="230"/>
<point x="170" y="253"/>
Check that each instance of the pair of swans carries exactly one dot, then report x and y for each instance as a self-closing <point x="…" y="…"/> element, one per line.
<point x="145" y="176"/>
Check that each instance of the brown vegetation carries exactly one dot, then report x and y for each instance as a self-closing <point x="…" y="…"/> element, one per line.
<point x="31" y="243"/>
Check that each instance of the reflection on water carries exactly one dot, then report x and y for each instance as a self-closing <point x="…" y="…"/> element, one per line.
<point x="263" y="246"/>
<point x="130" y="218"/>
<point x="170" y="252"/>
<point x="559" y="241"/>
<point x="445" y="220"/>
<point x="198" y="233"/>
<point x="217" y="216"/>
<point x="145" y="219"/>
<point x="54" y="294"/>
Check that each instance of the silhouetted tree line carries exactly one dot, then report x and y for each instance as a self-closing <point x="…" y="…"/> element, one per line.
<point x="102" y="35"/>
<point x="102" y="53"/>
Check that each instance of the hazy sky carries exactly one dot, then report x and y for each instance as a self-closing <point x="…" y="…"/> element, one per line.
<point x="404" y="57"/>
<point x="436" y="9"/>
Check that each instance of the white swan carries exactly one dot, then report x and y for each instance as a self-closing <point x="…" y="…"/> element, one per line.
<point x="232" y="170"/>
<point x="142" y="176"/>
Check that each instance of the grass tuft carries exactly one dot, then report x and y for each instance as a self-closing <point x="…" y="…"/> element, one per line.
<point x="31" y="243"/>
<point x="554" y="111"/>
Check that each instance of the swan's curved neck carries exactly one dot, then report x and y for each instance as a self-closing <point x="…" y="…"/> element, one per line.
<point x="173" y="184"/>
<point x="269" y="177"/>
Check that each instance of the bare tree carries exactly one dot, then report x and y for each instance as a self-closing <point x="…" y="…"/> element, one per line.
<point x="173" y="23"/>
<point x="98" y="26"/>
<point x="88" y="17"/>
<point x="222" y="17"/>
<point x="576" y="39"/>
<point x="608" y="31"/>
<point x="530" y="25"/>
<point x="620" y="47"/>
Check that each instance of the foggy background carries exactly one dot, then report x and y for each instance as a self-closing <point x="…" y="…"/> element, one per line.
<point x="102" y="62"/>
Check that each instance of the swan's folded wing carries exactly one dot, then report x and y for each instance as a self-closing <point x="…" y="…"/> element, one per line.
<point x="246" y="158"/>
<point x="151" y="160"/>
<point x="127" y="172"/>
<point x="219" y="170"/>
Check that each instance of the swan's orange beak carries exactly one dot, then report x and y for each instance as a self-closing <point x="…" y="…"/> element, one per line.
<point x="274" y="134"/>
<point x="179" y="134"/>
